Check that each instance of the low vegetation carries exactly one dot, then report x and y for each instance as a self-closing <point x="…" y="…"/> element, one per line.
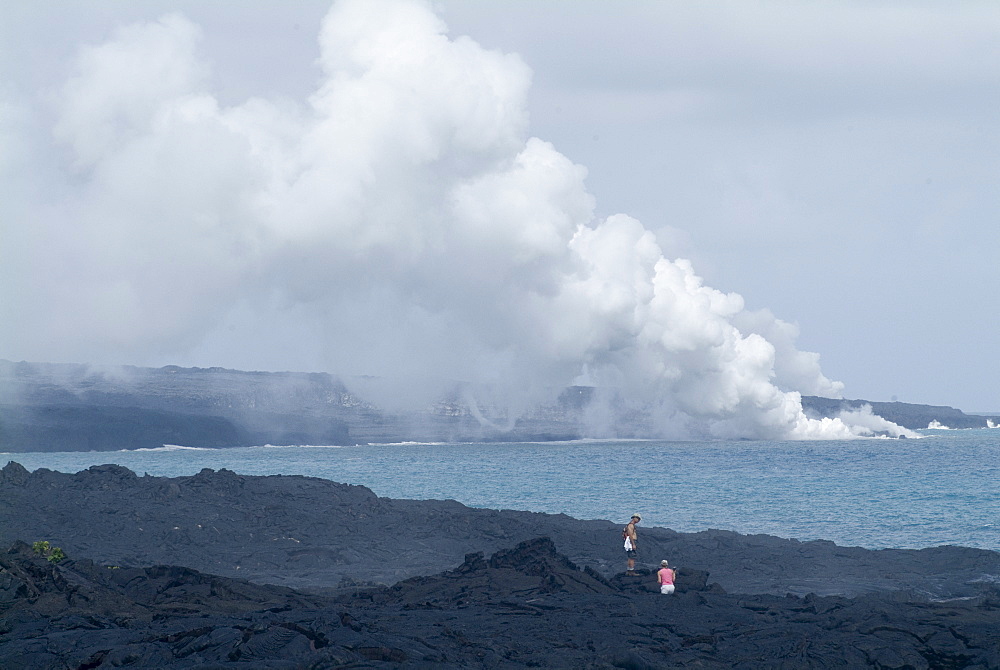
<point x="52" y="554"/>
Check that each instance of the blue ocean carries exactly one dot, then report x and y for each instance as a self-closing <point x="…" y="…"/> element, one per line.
<point x="941" y="489"/>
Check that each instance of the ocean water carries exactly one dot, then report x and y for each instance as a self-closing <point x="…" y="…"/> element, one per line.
<point x="876" y="493"/>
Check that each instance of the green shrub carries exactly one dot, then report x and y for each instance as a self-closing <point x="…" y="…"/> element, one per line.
<point x="51" y="554"/>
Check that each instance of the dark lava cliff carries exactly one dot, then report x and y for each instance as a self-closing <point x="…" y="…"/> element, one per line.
<point x="50" y="407"/>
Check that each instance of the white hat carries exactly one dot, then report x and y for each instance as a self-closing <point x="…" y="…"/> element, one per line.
<point x="663" y="562"/>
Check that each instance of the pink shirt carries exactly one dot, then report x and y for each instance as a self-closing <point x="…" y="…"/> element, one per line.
<point x="666" y="576"/>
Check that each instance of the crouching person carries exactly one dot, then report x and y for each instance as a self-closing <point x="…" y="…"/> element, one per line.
<point x="666" y="578"/>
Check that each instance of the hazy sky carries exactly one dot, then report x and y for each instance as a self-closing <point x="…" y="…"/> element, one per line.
<point x="278" y="186"/>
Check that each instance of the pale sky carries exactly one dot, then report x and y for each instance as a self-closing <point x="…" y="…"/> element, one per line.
<point x="185" y="191"/>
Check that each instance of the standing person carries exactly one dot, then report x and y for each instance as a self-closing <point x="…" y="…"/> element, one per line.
<point x="631" y="543"/>
<point x="666" y="578"/>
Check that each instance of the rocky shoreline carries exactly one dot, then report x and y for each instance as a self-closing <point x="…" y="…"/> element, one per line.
<point x="225" y="570"/>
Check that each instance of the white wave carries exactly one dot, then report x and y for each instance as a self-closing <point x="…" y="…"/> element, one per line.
<point x="410" y="444"/>
<point x="166" y="447"/>
<point x="301" y="446"/>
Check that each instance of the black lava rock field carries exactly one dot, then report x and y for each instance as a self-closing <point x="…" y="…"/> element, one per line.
<point x="221" y="570"/>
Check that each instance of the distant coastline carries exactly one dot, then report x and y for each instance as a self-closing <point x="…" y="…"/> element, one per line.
<point x="64" y="407"/>
<point x="908" y="415"/>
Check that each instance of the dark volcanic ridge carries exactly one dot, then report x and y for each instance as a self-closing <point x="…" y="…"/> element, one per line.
<point x="307" y="532"/>
<point x="194" y="572"/>
<point x="59" y="407"/>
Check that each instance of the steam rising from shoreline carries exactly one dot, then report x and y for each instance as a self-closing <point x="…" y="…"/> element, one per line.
<point x="401" y="222"/>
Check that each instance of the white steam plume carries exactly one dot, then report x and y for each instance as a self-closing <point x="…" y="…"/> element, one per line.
<point x="401" y="222"/>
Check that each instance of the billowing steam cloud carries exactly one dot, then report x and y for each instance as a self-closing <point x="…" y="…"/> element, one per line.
<point x="400" y="223"/>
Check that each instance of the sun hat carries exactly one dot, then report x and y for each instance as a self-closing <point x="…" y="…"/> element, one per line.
<point x="636" y="516"/>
